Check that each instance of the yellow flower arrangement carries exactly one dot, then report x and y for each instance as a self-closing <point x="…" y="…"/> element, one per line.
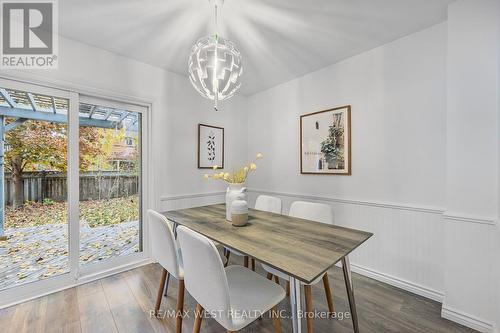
<point x="236" y="177"/>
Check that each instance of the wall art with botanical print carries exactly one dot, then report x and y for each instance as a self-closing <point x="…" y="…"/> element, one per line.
<point x="210" y="146"/>
<point x="325" y="142"/>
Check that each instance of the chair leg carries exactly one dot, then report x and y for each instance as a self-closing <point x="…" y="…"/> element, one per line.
<point x="276" y="320"/>
<point x="269" y="276"/>
<point x="245" y="261"/>
<point x="287" y="288"/>
<point x="328" y="293"/>
<point x="253" y="264"/>
<point x="198" y="314"/>
<point x="180" y="307"/>
<point x="227" y="254"/>
<point x="160" y="291"/>
<point x="309" y="314"/>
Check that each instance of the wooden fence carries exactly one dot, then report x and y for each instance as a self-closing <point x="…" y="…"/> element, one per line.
<point x="93" y="186"/>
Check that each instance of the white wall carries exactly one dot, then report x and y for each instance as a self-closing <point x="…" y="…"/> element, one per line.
<point x="397" y="93"/>
<point x="397" y="187"/>
<point x="177" y="110"/>
<point x="497" y="251"/>
<point x="471" y="256"/>
<point x="425" y="158"/>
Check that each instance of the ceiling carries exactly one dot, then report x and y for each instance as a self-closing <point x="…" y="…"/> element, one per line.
<point x="279" y="39"/>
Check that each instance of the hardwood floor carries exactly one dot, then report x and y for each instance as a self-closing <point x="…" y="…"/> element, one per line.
<point x="123" y="302"/>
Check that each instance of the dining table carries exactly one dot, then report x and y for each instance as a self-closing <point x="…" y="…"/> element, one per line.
<point x="302" y="249"/>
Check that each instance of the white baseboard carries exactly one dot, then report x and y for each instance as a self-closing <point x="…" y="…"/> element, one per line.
<point x="399" y="283"/>
<point x="454" y="315"/>
<point x="467" y="320"/>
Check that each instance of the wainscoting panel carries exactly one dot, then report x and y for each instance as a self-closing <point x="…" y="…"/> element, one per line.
<point x="190" y="200"/>
<point x="470" y="253"/>
<point x="410" y="249"/>
<point x="407" y="247"/>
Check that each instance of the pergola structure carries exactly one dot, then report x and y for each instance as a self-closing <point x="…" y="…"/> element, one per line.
<point x="22" y="106"/>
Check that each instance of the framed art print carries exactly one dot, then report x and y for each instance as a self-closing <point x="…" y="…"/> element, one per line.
<point x="325" y="142"/>
<point x="210" y="146"/>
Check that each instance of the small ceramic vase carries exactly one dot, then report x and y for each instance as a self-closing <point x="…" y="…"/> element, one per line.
<point x="239" y="212"/>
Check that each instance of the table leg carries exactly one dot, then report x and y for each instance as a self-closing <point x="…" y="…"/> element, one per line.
<point x="295" y="304"/>
<point x="346" y="268"/>
<point x="166" y="284"/>
<point x="174" y="227"/>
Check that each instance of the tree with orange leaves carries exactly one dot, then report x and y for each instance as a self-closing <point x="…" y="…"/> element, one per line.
<point x="39" y="145"/>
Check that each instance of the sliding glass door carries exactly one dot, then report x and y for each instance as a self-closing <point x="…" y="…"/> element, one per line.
<point x="33" y="184"/>
<point x="110" y="180"/>
<point x="71" y="188"/>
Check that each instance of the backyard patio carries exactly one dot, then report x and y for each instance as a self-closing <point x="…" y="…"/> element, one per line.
<point x="34" y="253"/>
<point x="37" y="237"/>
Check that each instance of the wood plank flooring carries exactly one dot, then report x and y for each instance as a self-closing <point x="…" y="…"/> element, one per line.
<point x="122" y="303"/>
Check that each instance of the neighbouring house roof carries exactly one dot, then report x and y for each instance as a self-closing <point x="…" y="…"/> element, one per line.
<point x="123" y="152"/>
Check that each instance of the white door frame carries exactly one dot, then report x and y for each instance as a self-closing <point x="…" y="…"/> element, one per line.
<point x="79" y="275"/>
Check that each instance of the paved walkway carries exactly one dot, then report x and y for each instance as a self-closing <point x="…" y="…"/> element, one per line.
<point x="35" y="253"/>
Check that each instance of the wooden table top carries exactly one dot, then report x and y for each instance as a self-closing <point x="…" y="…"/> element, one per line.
<point x="301" y="248"/>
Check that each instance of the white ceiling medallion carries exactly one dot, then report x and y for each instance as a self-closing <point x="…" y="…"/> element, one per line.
<point x="215" y="64"/>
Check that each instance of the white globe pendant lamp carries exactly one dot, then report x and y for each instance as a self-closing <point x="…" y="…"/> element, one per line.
<point x="215" y="66"/>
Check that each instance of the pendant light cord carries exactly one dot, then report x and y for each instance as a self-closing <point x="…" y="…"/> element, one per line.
<point x="215" y="81"/>
<point x="216" y="8"/>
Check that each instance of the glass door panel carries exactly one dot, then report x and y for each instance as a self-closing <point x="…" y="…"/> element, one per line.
<point x="33" y="187"/>
<point x="110" y="182"/>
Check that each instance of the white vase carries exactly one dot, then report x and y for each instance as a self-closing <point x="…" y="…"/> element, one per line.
<point x="234" y="192"/>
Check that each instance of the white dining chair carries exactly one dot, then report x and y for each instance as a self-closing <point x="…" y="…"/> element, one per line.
<point x="265" y="203"/>
<point x="268" y="203"/>
<point x="167" y="251"/>
<point x="234" y="296"/>
<point x="315" y="212"/>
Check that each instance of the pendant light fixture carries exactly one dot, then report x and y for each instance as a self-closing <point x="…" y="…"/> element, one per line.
<point x="215" y="64"/>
